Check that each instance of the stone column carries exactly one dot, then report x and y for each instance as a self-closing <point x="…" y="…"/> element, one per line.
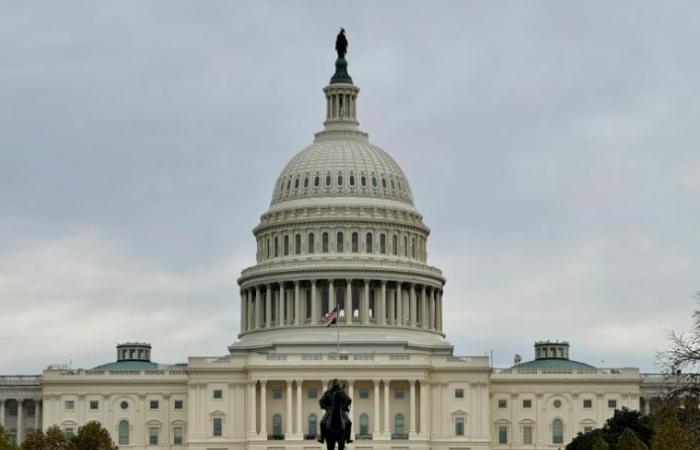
<point x="387" y="426"/>
<point x="258" y="308"/>
<point x="423" y="395"/>
<point x="423" y="308"/>
<point x="331" y="295"/>
<point x="2" y="412"/>
<point x="364" y="308"/>
<point x="252" y="415"/>
<point x="431" y="323"/>
<point x="37" y="414"/>
<point x="263" y="408"/>
<point x="282" y="306"/>
<point x="268" y="306"/>
<point x="391" y="307"/>
<point x="439" y="314"/>
<point x="244" y="317"/>
<point x="413" y="307"/>
<point x="300" y="420"/>
<point x="315" y="314"/>
<point x="375" y="418"/>
<point x="297" y="304"/>
<point x="288" y="419"/>
<point x="412" y="408"/>
<point x="348" y="302"/>
<point x="381" y="311"/>
<point x="20" y="420"/>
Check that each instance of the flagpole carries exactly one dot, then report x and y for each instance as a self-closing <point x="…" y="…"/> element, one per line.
<point x="337" y="326"/>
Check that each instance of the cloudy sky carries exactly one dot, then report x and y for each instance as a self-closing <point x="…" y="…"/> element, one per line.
<point x="552" y="148"/>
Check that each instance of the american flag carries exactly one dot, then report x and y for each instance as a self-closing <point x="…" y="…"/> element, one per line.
<point x="331" y="317"/>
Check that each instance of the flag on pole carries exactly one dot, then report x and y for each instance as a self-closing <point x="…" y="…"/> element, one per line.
<point x="331" y="317"/>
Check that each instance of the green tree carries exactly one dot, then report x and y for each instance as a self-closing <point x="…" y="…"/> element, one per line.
<point x="92" y="436"/>
<point x="36" y="440"/>
<point x="585" y="441"/>
<point x="613" y="428"/>
<point x="669" y="434"/>
<point x="599" y="443"/>
<point x="55" y="439"/>
<point x="630" y="441"/>
<point x="5" y="443"/>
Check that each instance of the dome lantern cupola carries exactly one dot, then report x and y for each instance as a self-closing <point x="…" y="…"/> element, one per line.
<point x="341" y="93"/>
<point x="134" y="351"/>
<point x="551" y="350"/>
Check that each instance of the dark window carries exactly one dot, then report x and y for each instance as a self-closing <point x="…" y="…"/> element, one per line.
<point x="395" y="245"/>
<point x="339" y="242"/>
<point x="364" y="393"/>
<point x="124" y="405"/>
<point x="588" y="403"/>
<point x="313" y="425"/>
<point x="94" y="404"/>
<point x="123" y="433"/>
<point x="384" y="183"/>
<point x="459" y="426"/>
<point x="317" y="181"/>
<point x="152" y="436"/>
<point x="328" y="180"/>
<point x="216" y="425"/>
<point x="324" y="242"/>
<point x="374" y="182"/>
<point x="459" y="393"/>
<point x="502" y="403"/>
<point x="153" y="404"/>
<point x="306" y="182"/>
<point x="178" y="404"/>
<point x="527" y="403"/>
<point x="289" y="184"/>
<point x="311" y="243"/>
<point x="399" y="393"/>
<point x="313" y="393"/>
<point x="277" y="247"/>
<point x="363" y="181"/>
<point x="218" y="393"/>
<point x="368" y="243"/>
<point x="276" y="393"/>
<point x="296" y="183"/>
<point x="355" y="243"/>
<point x="364" y="424"/>
<point x="557" y="432"/>
<point x="297" y="244"/>
<point x="413" y="247"/>
<point x="286" y="245"/>
<point x="398" y="424"/>
<point x="177" y="436"/>
<point x="382" y="244"/>
<point x="70" y="404"/>
<point x="392" y="185"/>
<point x="405" y="246"/>
<point x="612" y="403"/>
<point x="340" y="180"/>
<point x="277" y="425"/>
<point x="502" y="434"/>
<point x="352" y="180"/>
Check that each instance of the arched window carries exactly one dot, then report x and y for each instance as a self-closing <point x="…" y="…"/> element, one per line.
<point x="286" y="245"/>
<point x="384" y="183"/>
<point x="405" y="246"/>
<point x="296" y="183"/>
<point x="297" y="244"/>
<point x="277" y="247"/>
<point x="364" y="424"/>
<point x="268" y="247"/>
<point x="355" y="243"/>
<point x="317" y="181"/>
<point x="352" y="180"/>
<point x="374" y="182"/>
<point x="328" y="180"/>
<point x="289" y="183"/>
<point x="123" y="433"/>
<point x="313" y="425"/>
<point x="557" y="432"/>
<point x="413" y="247"/>
<point x="277" y="425"/>
<point x="324" y="242"/>
<point x="398" y="424"/>
<point x="368" y="243"/>
<point x="340" y="180"/>
<point x="382" y="244"/>
<point x="311" y="243"/>
<point x="363" y="181"/>
<point x="339" y="242"/>
<point x="395" y="245"/>
<point x="306" y="182"/>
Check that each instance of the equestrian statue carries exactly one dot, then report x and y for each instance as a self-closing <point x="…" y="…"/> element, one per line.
<point x="336" y="427"/>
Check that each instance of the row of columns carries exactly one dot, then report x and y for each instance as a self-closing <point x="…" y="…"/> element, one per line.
<point x="20" y="416"/>
<point x="257" y="424"/>
<point x="395" y="303"/>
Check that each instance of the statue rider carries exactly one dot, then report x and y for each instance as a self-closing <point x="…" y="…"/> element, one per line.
<point x="335" y="394"/>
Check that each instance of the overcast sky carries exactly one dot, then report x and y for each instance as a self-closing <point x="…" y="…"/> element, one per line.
<point x="552" y="148"/>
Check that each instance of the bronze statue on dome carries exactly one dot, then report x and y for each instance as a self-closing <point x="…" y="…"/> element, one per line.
<point x="341" y="44"/>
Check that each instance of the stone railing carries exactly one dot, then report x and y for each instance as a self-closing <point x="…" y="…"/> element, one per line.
<point x="116" y="373"/>
<point x="580" y="372"/>
<point x="20" y="380"/>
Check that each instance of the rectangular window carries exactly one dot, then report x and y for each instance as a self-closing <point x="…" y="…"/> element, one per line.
<point x="177" y="435"/>
<point x="70" y="404"/>
<point x="527" y="434"/>
<point x="313" y="393"/>
<point x="178" y="404"/>
<point x="68" y="433"/>
<point x="276" y="393"/>
<point x="364" y="393"/>
<point x="612" y="403"/>
<point x="153" y="436"/>
<point x="399" y="393"/>
<point x="459" y="426"/>
<point x="459" y="393"/>
<point x="527" y="404"/>
<point x="216" y="426"/>
<point x="502" y="403"/>
<point x="587" y="429"/>
<point x="218" y="393"/>
<point x="153" y="404"/>
<point x="502" y="434"/>
<point x="94" y="404"/>
<point x="588" y="403"/>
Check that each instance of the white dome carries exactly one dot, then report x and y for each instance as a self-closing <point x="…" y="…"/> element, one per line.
<point x="342" y="166"/>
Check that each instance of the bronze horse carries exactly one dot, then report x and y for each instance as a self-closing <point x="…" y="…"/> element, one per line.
<point x="335" y="424"/>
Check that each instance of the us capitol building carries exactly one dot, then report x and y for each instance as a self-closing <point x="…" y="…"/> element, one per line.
<point x="341" y="230"/>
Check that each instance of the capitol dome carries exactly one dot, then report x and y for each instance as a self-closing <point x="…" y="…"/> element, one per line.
<point x="341" y="237"/>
